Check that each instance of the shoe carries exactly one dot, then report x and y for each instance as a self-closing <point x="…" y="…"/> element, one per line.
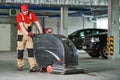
<point x="34" y="69"/>
<point x="20" y="68"/>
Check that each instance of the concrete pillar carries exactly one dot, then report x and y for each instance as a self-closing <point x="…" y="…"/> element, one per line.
<point x="113" y="25"/>
<point x="64" y="21"/>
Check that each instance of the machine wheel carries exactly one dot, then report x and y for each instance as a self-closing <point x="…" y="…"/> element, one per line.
<point x="104" y="51"/>
<point x="49" y="68"/>
<point x="94" y="54"/>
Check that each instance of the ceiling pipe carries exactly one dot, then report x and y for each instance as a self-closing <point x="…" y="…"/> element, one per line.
<point x="46" y="8"/>
<point x="30" y="7"/>
<point x="33" y="7"/>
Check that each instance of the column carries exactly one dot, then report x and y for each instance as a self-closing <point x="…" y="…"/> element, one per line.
<point x="64" y="21"/>
<point x="113" y="25"/>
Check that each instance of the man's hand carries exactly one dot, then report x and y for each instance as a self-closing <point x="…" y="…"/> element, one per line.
<point x="41" y="33"/>
<point x="31" y="34"/>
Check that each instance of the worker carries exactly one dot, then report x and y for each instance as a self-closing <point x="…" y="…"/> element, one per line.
<point x="25" y="19"/>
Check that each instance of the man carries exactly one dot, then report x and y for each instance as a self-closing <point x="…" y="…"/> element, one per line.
<point x="25" y="19"/>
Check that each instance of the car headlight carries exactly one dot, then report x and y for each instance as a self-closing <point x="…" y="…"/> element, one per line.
<point x="95" y="39"/>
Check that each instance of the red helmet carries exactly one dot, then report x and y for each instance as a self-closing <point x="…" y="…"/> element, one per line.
<point x="24" y="7"/>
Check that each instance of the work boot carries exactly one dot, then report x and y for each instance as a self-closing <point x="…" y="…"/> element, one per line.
<point x="20" y="68"/>
<point x="34" y="69"/>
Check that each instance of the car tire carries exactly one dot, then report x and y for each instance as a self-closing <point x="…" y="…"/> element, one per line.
<point x="94" y="54"/>
<point x="104" y="51"/>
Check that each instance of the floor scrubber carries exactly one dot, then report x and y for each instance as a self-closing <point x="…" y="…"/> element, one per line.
<point x="56" y="53"/>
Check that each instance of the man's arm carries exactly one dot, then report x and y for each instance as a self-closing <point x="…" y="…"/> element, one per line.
<point x="23" y="28"/>
<point x="39" y="27"/>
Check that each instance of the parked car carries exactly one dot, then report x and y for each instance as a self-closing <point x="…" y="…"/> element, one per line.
<point x="96" y="45"/>
<point x="78" y="36"/>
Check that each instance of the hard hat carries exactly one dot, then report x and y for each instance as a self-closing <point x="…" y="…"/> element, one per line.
<point x="24" y="7"/>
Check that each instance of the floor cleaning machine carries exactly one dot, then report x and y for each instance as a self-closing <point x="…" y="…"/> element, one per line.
<point x="56" y="53"/>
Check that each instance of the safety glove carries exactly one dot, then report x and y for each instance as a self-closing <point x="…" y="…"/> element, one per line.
<point x="31" y="34"/>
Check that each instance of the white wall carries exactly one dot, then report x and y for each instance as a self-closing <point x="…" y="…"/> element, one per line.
<point x="5" y="38"/>
<point x="102" y="23"/>
<point x="52" y="23"/>
<point x="74" y="23"/>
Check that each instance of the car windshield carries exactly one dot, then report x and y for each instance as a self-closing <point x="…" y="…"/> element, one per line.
<point x="82" y="33"/>
<point x="97" y="31"/>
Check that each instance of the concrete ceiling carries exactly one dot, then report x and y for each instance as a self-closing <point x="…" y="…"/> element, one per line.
<point x="54" y="10"/>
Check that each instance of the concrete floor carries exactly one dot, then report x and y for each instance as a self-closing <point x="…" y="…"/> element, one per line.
<point x="96" y="69"/>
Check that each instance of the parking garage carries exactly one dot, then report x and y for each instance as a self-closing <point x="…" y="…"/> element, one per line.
<point x="61" y="17"/>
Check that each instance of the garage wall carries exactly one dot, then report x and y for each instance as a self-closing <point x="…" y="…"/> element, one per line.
<point x="13" y="35"/>
<point x="102" y="23"/>
<point x="5" y="37"/>
<point x="74" y="23"/>
<point x="52" y="22"/>
<point x="8" y="29"/>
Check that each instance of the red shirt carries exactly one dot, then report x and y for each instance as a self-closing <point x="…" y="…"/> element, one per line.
<point x="27" y="19"/>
